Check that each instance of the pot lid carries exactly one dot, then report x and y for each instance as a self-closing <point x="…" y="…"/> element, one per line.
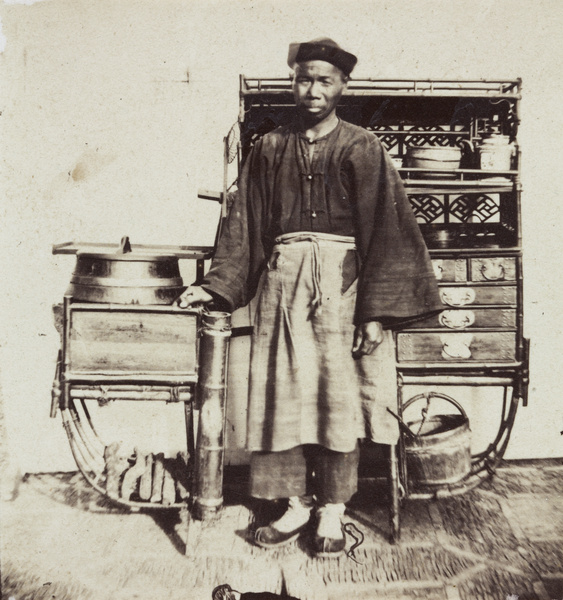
<point x="125" y="252"/>
<point x="140" y="252"/>
<point x="128" y="257"/>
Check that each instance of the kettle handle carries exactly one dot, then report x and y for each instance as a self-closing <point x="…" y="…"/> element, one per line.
<point x="125" y="245"/>
<point x="470" y="145"/>
<point x="469" y="149"/>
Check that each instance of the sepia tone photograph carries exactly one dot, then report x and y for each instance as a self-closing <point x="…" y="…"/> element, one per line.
<point x="281" y="300"/>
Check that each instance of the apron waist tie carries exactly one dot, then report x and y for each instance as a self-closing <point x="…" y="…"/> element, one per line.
<point x="316" y="303"/>
<point x="316" y="239"/>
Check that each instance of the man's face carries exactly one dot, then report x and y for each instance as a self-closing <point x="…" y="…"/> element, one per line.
<point x="317" y="87"/>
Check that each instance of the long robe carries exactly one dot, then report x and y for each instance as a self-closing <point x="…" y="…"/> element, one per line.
<point x="353" y="189"/>
<point x="348" y="188"/>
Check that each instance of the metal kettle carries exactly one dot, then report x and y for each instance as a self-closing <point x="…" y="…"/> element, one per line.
<point x="495" y="152"/>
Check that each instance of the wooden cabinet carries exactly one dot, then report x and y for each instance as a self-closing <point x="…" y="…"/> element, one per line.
<point x="480" y="316"/>
<point x="455" y="145"/>
<point x="137" y="351"/>
<point x="479" y="323"/>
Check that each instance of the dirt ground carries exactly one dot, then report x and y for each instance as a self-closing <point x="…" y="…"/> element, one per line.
<point x="61" y="540"/>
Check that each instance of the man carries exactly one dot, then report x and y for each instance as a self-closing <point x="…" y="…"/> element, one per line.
<point x="323" y="217"/>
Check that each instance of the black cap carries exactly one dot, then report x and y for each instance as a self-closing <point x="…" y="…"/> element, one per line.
<point x="322" y="49"/>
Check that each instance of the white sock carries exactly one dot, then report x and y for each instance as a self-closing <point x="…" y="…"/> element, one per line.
<point x="297" y="514"/>
<point x="330" y="521"/>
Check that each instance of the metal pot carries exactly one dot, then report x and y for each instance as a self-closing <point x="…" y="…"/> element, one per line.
<point x="126" y="277"/>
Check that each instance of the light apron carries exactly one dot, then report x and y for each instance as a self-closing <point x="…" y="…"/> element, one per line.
<point x="305" y="386"/>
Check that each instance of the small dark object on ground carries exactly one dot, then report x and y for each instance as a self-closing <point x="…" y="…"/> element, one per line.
<point x="225" y="592"/>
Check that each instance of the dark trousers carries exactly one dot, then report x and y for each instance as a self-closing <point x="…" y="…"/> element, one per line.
<point x="305" y="470"/>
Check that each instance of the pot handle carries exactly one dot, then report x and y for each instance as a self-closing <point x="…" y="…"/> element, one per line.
<point x="125" y="245"/>
<point x="492" y="270"/>
<point x="457" y="296"/>
<point x="428" y="396"/>
<point x="456" y="345"/>
<point x="457" y="319"/>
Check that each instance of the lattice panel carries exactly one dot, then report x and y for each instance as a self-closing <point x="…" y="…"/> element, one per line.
<point x="427" y="209"/>
<point x="475" y="208"/>
<point x="393" y="137"/>
<point x="430" y="136"/>
<point x="389" y="140"/>
<point x="418" y="138"/>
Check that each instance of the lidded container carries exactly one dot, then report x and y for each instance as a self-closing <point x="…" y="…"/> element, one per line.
<point x="496" y="152"/>
<point x="434" y="157"/>
<point x="128" y="276"/>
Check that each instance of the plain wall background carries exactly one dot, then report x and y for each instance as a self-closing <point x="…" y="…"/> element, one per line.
<point x="113" y="115"/>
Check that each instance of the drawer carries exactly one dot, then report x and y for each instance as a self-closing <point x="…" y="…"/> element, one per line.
<point x="449" y="269"/>
<point x="478" y="294"/>
<point x="464" y="347"/>
<point x="493" y="269"/>
<point x="464" y="318"/>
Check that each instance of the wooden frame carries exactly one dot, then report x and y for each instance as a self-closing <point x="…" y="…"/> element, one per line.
<point x="467" y="214"/>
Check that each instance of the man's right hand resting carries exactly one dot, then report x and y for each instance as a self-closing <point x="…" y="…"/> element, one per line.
<point x="192" y="296"/>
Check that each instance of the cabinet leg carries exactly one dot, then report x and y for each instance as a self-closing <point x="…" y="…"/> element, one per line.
<point x="394" y="504"/>
<point x="190" y="441"/>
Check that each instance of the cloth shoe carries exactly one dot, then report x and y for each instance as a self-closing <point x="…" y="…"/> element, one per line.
<point x="329" y="538"/>
<point x="288" y="527"/>
<point x="225" y="592"/>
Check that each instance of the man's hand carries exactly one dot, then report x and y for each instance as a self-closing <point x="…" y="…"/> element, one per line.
<point x="367" y="338"/>
<point x="193" y="295"/>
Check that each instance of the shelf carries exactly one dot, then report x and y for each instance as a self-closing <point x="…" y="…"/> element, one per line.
<point x="460" y="366"/>
<point x="446" y="180"/>
<point x="461" y="172"/>
<point x="447" y="186"/>
<point x="446" y="330"/>
<point x="473" y="253"/>
<point x="473" y="379"/>
<point x="123" y="377"/>
<point x="507" y="88"/>
<point x="469" y="246"/>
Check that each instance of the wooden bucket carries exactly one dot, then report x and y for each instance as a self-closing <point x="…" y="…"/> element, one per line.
<point x="439" y="452"/>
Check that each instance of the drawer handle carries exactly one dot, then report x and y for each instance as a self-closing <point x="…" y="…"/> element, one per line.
<point x="438" y="266"/>
<point x="456" y="346"/>
<point x="492" y="269"/>
<point x="457" y="319"/>
<point x="457" y="296"/>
